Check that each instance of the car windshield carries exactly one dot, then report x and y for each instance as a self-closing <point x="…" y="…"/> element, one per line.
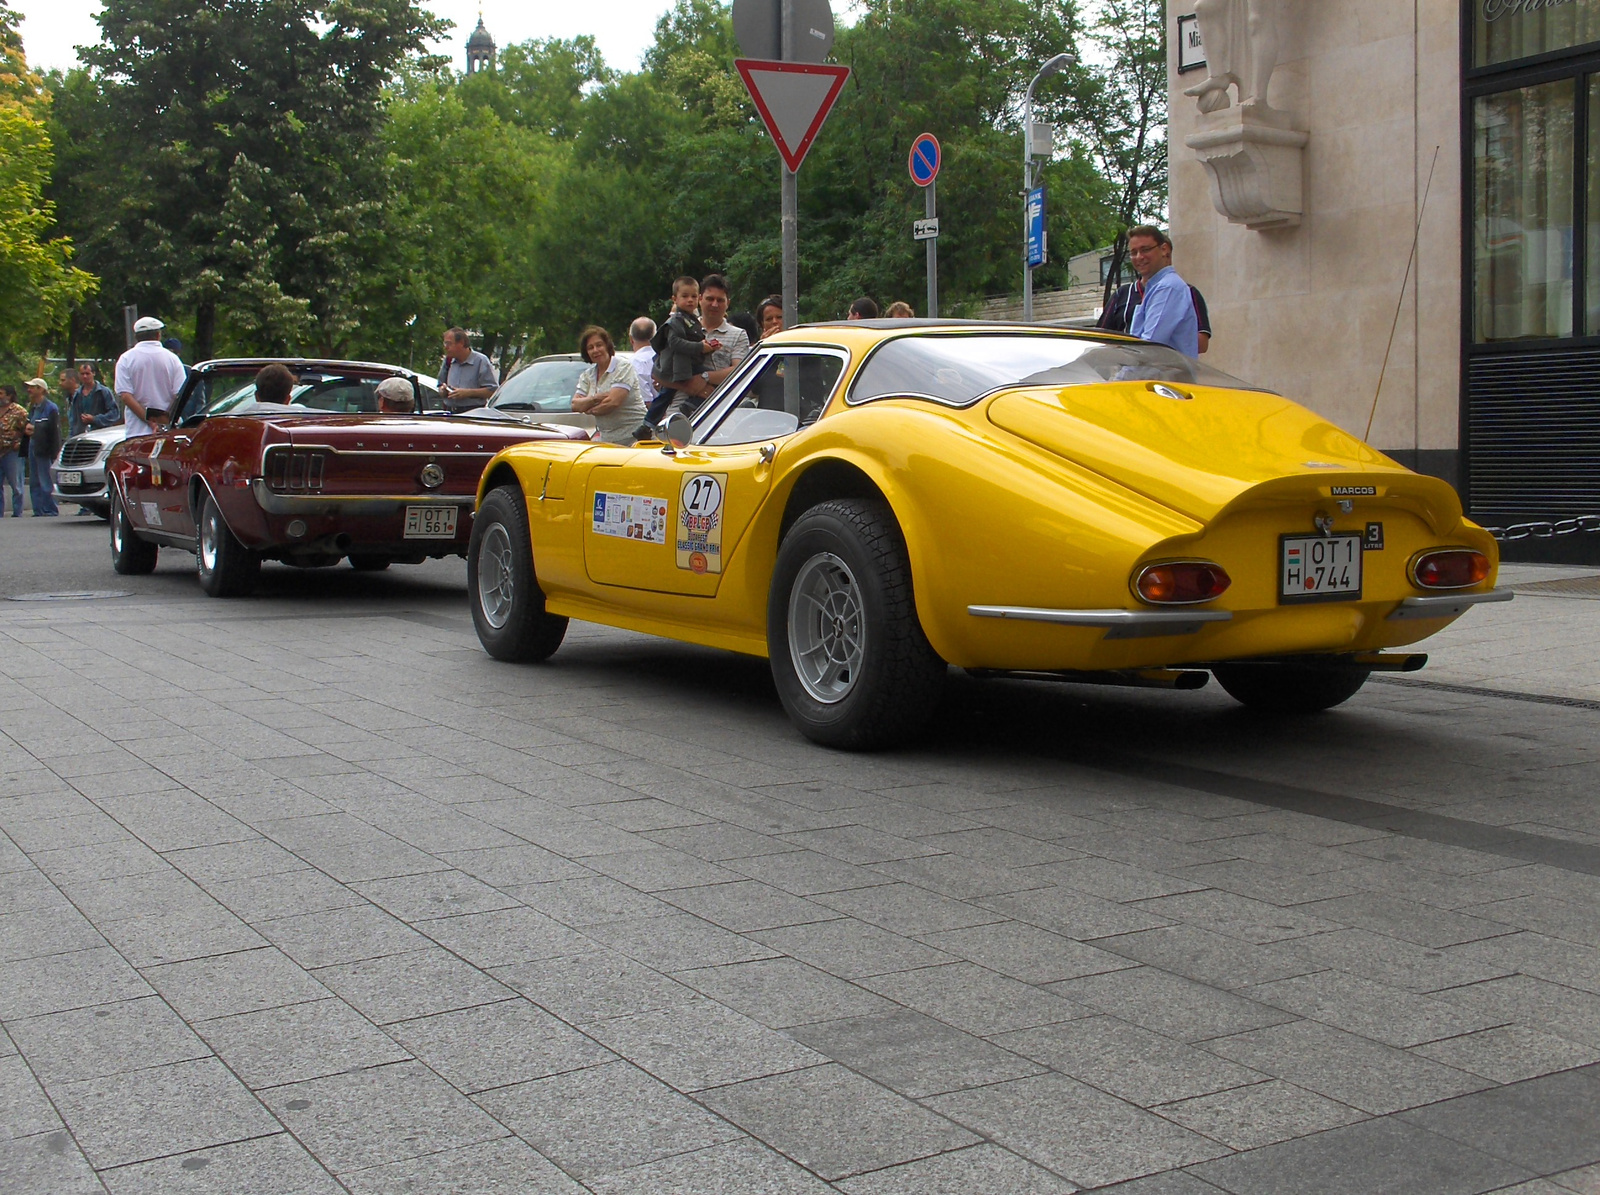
<point x="544" y="385"/>
<point x="960" y="369"/>
<point x="230" y="393"/>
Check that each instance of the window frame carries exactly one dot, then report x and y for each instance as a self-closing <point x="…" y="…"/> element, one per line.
<point x="725" y="400"/>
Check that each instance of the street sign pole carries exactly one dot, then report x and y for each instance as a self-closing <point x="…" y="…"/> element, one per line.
<point x="790" y="218"/>
<point x="930" y="209"/>
<point x="923" y="163"/>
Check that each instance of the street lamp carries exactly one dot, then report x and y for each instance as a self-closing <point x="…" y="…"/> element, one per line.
<point x="1059" y="62"/>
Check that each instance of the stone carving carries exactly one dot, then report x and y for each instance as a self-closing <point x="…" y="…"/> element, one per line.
<point x="1252" y="154"/>
<point x="1243" y="45"/>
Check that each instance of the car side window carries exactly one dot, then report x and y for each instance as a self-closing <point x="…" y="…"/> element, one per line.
<point x="786" y="391"/>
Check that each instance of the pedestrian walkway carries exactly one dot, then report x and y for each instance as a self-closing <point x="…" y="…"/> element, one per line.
<point x="304" y="895"/>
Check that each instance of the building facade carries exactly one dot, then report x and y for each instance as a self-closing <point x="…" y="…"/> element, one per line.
<point x="1393" y="210"/>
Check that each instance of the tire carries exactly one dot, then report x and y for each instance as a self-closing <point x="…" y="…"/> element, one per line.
<point x="1290" y="688"/>
<point x="849" y="658"/>
<point x="226" y="568"/>
<point x="507" y="603"/>
<point x="130" y="555"/>
<point x="370" y="564"/>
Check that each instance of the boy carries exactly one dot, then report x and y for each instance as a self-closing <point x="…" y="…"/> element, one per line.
<point x="681" y="361"/>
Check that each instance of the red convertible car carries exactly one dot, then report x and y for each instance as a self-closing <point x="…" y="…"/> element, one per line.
<point x="322" y="478"/>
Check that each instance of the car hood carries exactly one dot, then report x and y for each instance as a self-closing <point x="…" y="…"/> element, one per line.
<point x="1194" y="449"/>
<point x="114" y="434"/>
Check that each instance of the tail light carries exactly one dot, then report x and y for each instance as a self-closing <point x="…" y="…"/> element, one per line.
<point x="1181" y="582"/>
<point x="288" y="468"/>
<point x="1452" y="568"/>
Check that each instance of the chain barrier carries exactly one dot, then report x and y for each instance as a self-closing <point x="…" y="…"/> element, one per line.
<point x="1546" y="529"/>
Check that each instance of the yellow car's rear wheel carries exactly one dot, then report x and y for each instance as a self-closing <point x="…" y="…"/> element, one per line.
<point x="849" y="658"/>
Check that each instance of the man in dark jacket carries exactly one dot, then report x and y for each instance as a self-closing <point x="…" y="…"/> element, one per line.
<point x="92" y="404"/>
<point x="44" y="428"/>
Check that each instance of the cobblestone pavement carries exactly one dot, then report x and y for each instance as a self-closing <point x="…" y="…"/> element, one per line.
<point x="306" y="894"/>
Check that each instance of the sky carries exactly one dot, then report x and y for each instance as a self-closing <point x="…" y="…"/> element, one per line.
<point x="624" y="28"/>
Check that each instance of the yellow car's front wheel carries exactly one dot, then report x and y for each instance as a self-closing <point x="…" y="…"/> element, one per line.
<point x="849" y="658"/>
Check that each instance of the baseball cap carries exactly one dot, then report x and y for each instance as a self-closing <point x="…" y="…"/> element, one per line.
<point x="37" y="382"/>
<point x="147" y="323"/>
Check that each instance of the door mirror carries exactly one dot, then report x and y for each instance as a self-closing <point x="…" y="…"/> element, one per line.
<point x="679" y="431"/>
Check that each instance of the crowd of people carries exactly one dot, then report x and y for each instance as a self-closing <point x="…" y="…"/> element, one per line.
<point x="673" y="366"/>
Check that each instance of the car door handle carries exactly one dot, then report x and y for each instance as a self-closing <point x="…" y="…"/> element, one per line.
<point x="768" y="451"/>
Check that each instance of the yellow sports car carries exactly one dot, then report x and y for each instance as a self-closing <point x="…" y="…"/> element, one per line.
<point x="868" y="504"/>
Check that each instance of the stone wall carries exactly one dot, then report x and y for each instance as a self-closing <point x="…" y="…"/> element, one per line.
<point x="1309" y="309"/>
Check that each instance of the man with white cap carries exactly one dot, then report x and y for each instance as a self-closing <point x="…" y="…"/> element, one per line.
<point x="44" y="431"/>
<point x="148" y="378"/>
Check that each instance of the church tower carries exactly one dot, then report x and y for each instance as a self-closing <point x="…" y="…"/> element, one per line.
<point x="480" y="49"/>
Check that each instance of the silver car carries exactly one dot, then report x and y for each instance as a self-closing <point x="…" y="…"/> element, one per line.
<point x="79" y="472"/>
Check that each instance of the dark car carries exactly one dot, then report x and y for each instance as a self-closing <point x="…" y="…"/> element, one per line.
<point x="322" y="478"/>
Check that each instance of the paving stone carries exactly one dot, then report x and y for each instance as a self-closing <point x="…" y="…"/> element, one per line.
<point x="605" y="1119"/>
<point x="1534" y="1003"/>
<point x="48" y="1162"/>
<point x="299" y="1041"/>
<point x="660" y="868"/>
<point x="962" y="878"/>
<point x="1210" y="958"/>
<point x="1173" y="1182"/>
<point x="998" y="847"/>
<point x="384" y="1114"/>
<point x="1543" y="1125"/>
<point x="174" y="937"/>
<point x="974" y="1000"/>
<point x="1585" y="1180"/>
<point x="907" y="909"/>
<point x="700" y="1045"/>
<point x="34" y="987"/>
<point x="1261" y="1114"/>
<point x="1088" y="1137"/>
<point x="1368" y="1008"/>
<point x="748" y="905"/>
<point x="1407" y="920"/>
<point x="1377" y="1157"/>
<point x="588" y="987"/>
<point x="25" y="1110"/>
<point x="344" y="935"/>
<point x="1111" y="880"/>
<point x="496" y="1045"/>
<point x="985" y="1168"/>
<point x="143" y="1114"/>
<point x="283" y="894"/>
<point x="276" y="1165"/>
<point x="1509" y="1053"/>
<point x="230" y="983"/>
<point x="34" y="933"/>
<point x="737" y="1168"/>
<point x="510" y="866"/>
<point x="503" y="1167"/>
<point x="399" y="987"/>
<point x="99" y="861"/>
<point x="505" y="936"/>
<point x="783" y="992"/>
<point x="1353" y="1070"/>
<point x="913" y="1054"/>
<point x="850" y="949"/>
<point x="1169" y="1004"/>
<point x="835" y="1123"/>
<point x="859" y="844"/>
<point x="1073" y="914"/>
<point x="1236" y="916"/>
<point x="108" y="1039"/>
<point x="1406" y="964"/>
<point x="720" y="843"/>
<point x="677" y="943"/>
<point x="1274" y="885"/>
<point x="433" y="894"/>
<point x="592" y="901"/>
<point x="249" y="858"/>
<point x="1025" y="952"/>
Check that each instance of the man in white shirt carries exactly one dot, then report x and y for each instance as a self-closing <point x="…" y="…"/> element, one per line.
<point x="640" y="333"/>
<point x="148" y="379"/>
<point x="714" y="318"/>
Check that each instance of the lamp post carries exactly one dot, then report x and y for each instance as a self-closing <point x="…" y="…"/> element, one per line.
<point x="1055" y="64"/>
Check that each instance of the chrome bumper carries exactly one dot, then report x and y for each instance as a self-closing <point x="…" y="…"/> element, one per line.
<point x="1118" y="624"/>
<point x="1446" y="605"/>
<point x="275" y="503"/>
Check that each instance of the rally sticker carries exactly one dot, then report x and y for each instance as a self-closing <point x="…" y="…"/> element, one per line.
<point x="700" y="522"/>
<point x="152" y="514"/>
<point x="631" y="516"/>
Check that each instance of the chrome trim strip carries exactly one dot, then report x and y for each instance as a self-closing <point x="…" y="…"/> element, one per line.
<point x="350" y="504"/>
<point x="1444" y="605"/>
<point x="1102" y="618"/>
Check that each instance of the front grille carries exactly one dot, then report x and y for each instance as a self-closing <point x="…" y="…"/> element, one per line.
<point x="1533" y="427"/>
<point x="77" y="453"/>
<point x="81" y="489"/>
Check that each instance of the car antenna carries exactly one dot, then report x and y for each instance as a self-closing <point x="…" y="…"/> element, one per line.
<point x="1399" y="303"/>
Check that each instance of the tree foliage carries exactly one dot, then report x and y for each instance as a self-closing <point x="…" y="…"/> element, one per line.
<point x="38" y="283"/>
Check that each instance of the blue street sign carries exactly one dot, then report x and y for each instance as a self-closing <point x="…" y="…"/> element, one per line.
<point x="1038" y="246"/>
<point x="924" y="160"/>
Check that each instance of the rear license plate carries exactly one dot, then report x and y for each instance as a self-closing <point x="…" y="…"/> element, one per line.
<point x="70" y="477"/>
<point x="431" y="522"/>
<point x="1319" y="568"/>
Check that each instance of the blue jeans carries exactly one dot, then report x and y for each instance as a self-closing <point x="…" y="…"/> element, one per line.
<point x="11" y="475"/>
<point x="39" y="484"/>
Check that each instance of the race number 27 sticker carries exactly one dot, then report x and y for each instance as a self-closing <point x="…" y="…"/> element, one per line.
<point x="699" y="538"/>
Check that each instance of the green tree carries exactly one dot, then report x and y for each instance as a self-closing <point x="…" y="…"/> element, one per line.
<point x="38" y="283"/>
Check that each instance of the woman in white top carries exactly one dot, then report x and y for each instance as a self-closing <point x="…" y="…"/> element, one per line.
<point x="608" y="389"/>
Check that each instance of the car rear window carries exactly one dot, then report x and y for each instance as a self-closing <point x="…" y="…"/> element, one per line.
<point x="959" y="369"/>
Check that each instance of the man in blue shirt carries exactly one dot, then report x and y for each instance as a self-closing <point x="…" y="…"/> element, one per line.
<point x="1167" y="315"/>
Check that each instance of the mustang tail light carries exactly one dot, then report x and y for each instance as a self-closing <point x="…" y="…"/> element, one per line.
<point x="295" y="469"/>
<point x="1452" y="568"/>
<point x="1181" y="582"/>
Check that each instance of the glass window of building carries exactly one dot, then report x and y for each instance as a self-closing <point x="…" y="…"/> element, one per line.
<point x="1522" y="226"/>
<point x="1506" y="30"/>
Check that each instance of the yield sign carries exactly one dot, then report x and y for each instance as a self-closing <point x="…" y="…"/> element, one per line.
<point x="794" y="98"/>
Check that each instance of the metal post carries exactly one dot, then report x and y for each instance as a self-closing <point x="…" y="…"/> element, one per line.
<point x="791" y="230"/>
<point x="931" y="210"/>
<point x="1027" y="187"/>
